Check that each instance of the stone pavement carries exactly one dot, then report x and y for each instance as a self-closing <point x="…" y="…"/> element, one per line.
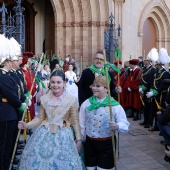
<point x="141" y="152"/>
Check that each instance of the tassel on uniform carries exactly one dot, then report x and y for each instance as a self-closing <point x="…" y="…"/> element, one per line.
<point x="29" y="116"/>
<point x="25" y="135"/>
<point x="25" y="132"/>
<point x="157" y="104"/>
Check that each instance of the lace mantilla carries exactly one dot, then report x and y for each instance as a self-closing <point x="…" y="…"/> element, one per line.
<point x="56" y="115"/>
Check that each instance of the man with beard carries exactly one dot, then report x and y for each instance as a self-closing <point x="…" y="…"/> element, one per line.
<point x="88" y="76"/>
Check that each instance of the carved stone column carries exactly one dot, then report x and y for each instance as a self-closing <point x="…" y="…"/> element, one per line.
<point x="118" y="18"/>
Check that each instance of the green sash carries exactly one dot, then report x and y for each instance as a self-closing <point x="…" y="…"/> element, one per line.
<point x="95" y="104"/>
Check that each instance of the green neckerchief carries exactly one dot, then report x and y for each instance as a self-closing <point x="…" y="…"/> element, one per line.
<point x="95" y="104"/>
<point x="102" y="72"/>
<point x="94" y="69"/>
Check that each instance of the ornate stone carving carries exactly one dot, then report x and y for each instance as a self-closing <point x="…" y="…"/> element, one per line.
<point x="67" y="24"/>
<point x="82" y="24"/>
<point x="75" y="24"/>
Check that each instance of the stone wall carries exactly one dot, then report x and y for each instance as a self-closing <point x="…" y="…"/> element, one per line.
<point x="80" y="24"/>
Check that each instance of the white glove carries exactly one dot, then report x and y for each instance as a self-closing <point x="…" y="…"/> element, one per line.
<point x="141" y="90"/>
<point x="129" y="89"/>
<point x="29" y="102"/>
<point x="36" y="86"/>
<point x="118" y="89"/>
<point x="149" y="94"/>
<point x="35" y="94"/>
<point x="24" y="105"/>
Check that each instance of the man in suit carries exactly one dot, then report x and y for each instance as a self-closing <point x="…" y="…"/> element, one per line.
<point x="88" y="76"/>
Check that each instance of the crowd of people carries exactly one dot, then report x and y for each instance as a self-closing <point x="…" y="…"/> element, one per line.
<point x="77" y="113"/>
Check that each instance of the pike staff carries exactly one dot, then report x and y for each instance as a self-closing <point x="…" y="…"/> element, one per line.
<point x="81" y="64"/>
<point x="25" y="110"/>
<point x="118" y="74"/>
<point x="110" y="110"/>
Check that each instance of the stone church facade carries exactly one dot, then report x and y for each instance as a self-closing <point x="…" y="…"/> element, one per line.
<point x="77" y="27"/>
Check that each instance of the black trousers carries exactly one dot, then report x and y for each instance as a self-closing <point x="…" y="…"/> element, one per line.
<point x="99" y="153"/>
<point x="152" y="112"/>
<point x="146" y="110"/>
<point x="7" y="135"/>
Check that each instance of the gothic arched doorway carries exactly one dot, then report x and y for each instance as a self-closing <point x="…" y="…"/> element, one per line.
<point x="149" y="37"/>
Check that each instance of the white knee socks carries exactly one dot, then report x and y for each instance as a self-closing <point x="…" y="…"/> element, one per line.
<point x="98" y="168"/>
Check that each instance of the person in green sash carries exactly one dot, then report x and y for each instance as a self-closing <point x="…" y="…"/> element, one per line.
<point x="96" y="127"/>
<point x="88" y="75"/>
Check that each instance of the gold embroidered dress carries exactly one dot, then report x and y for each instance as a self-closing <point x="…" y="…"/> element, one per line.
<point x="52" y="145"/>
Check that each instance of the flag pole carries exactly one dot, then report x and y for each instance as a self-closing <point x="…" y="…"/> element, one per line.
<point x="81" y="64"/>
<point x="110" y="110"/>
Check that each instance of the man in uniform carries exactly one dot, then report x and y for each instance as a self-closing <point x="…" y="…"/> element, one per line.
<point x="158" y="90"/>
<point x="21" y="76"/>
<point x="10" y="105"/>
<point x="146" y="82"/>
<point x="141" y="62"/>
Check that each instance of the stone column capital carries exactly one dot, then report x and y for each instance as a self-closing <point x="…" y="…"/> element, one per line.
<point x="119" y="1"/>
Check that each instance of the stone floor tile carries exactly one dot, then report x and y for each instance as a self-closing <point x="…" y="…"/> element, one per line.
<point x="134" y="166"/>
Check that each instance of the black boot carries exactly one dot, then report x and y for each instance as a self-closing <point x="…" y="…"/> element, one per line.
<point x="136" y="117"/>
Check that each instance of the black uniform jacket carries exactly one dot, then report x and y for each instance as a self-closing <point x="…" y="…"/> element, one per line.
<point x="9" y="100"/>
<point x="147" y="77"/>
<point x="21" y="76"/>
<point x="160" y="87"/>
<point x="18" y="81"/>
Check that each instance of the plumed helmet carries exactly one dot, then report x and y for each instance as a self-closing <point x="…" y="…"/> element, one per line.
<point x="4" y="48"/>
<point x="15" y="49"/>
<point x="163" y="57"/>
<point x="152" y="55"/>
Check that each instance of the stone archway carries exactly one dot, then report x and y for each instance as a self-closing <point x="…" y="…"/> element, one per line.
<point x="79" y="27"/>
<point x="158" y="12"/>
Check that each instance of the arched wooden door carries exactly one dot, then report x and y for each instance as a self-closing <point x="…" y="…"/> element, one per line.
<point x="149" y="37"/>
<point x="49" y="46"/>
